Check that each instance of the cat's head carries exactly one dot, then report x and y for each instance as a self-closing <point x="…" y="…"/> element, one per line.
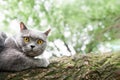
<point x="32" y="42"/>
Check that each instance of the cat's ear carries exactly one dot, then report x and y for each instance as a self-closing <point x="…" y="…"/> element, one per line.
<point x="22" y="26"/>
<point x="47" y="32"/>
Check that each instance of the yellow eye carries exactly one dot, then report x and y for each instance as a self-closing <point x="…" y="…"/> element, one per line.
<point x="40" y="41"/>
<point x="26" y="39"/>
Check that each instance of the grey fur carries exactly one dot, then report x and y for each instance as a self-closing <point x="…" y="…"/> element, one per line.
<point x="3" y="36"/>
<point x="18" y="55"/>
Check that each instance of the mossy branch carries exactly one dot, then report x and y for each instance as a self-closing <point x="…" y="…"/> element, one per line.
<point x="78" y="67"/>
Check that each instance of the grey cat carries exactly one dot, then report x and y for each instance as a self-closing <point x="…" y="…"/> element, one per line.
<point x="17" y="53"/>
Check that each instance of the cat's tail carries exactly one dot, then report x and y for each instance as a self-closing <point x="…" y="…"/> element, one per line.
<point x="3" y="36"/>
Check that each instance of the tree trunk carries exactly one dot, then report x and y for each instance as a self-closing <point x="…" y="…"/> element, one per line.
<point x="79" y="67"/>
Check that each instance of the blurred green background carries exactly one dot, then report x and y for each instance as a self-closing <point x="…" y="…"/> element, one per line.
<point x="81" y="26"/>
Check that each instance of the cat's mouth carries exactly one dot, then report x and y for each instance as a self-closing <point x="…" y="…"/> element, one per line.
<point x="25" y="50"/>
<point x="31" y="53"/>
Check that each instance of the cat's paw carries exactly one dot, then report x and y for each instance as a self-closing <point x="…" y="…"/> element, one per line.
<point x="44" y="62"/>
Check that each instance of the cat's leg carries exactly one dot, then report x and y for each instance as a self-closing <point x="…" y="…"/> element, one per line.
<point x="23" y="63"/>
<point x="43" y="62"/>
<point x="13" y="60"/>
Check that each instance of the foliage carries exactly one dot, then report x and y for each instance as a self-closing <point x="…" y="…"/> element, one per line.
<point x="83" y="24"/>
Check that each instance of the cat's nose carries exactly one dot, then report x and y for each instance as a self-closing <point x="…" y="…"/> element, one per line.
<point x="32" y="46"/>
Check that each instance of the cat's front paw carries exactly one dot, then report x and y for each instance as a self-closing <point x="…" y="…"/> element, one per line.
<point x="44" y="62"/>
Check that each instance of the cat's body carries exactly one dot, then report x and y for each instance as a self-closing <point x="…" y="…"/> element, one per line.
<point x="17" y="53"/>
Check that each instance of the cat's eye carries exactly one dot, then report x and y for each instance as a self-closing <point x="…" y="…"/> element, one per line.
<point x="26" y="39"/>
<point x="40" y="41"/>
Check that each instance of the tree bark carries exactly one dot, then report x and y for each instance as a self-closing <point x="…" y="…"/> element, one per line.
<point x="78" y="67"/>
